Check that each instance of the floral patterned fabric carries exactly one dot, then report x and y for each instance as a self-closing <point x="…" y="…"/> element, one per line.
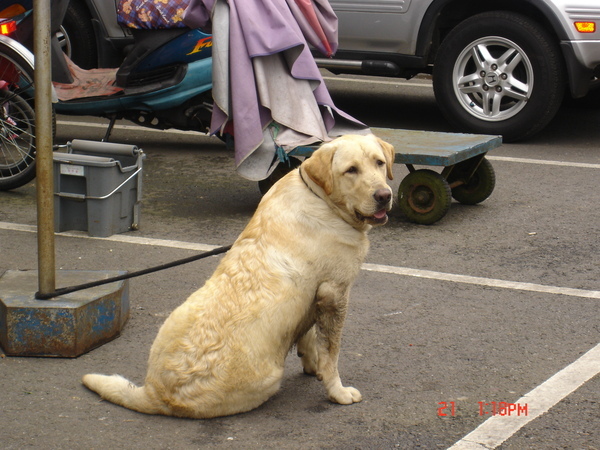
<point x="152" y="14"/>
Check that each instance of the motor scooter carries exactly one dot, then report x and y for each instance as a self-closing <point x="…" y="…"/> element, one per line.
<point x="163" y="81"/>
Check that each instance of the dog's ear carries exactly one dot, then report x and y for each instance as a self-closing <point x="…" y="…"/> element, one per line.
<point x="388" y="151"/>
<point x="318" y="167"/>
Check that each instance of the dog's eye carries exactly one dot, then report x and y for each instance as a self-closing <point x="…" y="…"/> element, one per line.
<point x="352" y="169"/>
<point x="380" y="162"/>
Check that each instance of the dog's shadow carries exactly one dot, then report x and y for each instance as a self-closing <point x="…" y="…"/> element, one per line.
<point x="298" y="392"/>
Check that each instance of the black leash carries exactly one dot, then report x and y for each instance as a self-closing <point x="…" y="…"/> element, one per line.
<point x="80" y="287"/>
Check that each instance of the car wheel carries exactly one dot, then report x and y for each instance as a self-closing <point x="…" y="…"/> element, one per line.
<point x="77" y="38"/>
<point x="499" y="73"/>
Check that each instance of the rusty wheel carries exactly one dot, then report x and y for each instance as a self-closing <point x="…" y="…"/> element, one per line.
<point x="424" y="196"/>
<point x="478" y="187"/>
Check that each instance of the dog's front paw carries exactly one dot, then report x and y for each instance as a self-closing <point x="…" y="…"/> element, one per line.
<point x="345" y="395"/>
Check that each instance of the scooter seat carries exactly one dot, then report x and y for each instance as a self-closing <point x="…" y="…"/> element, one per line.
<point x="146" y="41"/>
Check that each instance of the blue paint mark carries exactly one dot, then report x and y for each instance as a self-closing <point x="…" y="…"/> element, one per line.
<point x="104" y="317"/>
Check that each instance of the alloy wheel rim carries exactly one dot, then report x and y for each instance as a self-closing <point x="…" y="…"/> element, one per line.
<point x="493" y="79"/>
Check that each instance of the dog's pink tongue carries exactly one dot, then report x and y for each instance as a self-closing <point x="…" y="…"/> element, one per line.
<point x="380" y="214"/>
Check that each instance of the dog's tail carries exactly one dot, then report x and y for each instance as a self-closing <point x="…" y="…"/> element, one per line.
<point x="119" y="390"/>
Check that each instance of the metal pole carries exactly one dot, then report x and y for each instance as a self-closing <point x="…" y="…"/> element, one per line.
<point x="43" y="132"/>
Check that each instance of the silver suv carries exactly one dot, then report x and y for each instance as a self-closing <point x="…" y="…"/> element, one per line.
<point x="498" y="67"/>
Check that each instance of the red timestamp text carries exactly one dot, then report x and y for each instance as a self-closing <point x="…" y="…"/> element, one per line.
<point x="503" y="409"/>
<point x="487" y="409"/>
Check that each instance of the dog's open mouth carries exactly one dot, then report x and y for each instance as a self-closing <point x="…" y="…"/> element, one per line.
<point x="380" y="217"/>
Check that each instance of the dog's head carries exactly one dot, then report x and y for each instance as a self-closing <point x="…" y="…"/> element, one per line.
<point x="351" y="171"/>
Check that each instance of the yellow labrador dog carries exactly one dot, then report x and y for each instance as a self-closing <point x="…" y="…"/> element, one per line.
<point x="285" y="281"/>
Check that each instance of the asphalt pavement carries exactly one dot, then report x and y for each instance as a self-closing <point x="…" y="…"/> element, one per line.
<point x="480" y="331"/>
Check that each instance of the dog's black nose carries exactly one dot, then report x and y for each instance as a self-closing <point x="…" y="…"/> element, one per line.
<point x="382" y="196"/>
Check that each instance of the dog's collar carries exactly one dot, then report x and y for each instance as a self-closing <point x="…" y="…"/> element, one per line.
<point x="305" y="183"/>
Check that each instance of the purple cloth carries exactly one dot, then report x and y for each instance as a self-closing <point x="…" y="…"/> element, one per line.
<point x="198" y="12"/>
<point x="259" y="29"/>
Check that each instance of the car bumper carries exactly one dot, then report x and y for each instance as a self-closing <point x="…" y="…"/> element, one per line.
<point x="583" y="65"/>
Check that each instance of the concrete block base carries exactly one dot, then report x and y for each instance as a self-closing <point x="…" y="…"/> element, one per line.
<point x="66" y="326"/>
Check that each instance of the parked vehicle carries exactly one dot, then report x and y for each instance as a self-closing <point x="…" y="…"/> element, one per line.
<point x="498" y="67"/>
<point x="163" y="80"/>
<point x="76" y="33"/>
<point x="17" y="117"/>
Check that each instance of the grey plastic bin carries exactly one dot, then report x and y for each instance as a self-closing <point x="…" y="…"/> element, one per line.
<point x="98" y="187"/>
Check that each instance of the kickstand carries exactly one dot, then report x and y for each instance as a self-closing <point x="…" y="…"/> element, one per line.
<point x="111" y="124"/>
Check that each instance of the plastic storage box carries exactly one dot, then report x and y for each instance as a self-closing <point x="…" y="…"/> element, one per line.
<point x="98" y="187"/>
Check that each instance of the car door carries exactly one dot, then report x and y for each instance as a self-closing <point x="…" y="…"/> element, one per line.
<point x="376" y="25"/>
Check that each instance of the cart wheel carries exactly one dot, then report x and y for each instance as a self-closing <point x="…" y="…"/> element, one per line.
<point x="280" y="171"/>
<point x="424" y="196"/>
<point x="479" y="187"/>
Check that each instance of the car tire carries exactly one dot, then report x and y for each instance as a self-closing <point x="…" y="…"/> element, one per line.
<point x="499" y="73"/>
<point x="77" y="36"/>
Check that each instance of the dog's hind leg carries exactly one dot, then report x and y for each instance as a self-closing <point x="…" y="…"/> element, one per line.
<point x="307" y="350"/>
<point x="332" y="303"/>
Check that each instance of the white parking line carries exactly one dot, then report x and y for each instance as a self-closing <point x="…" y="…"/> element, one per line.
<point x="403" y="271"/>
<point x="480" y="281"/>
<point x="491" y="158"/>
<point x="497" y="429"/>
<point x="125" y="127"/>
<point x="543" y="162"/>
<point x="137" y="240"/>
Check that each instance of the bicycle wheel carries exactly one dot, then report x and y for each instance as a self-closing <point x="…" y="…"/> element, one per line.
<point x="16" y="69"/>
<point x="17" y="141"/>
<point x="17" y="117"/>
